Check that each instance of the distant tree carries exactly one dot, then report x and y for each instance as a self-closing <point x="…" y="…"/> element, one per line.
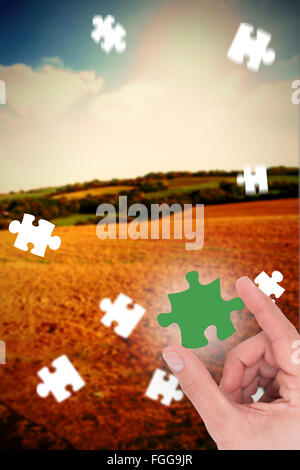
<point x="150" y="187"/>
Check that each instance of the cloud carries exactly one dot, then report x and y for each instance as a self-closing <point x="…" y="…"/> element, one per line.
<point x="46" y="94"/>
<point x="61" y="126"/>
<point x="136" y="101"/>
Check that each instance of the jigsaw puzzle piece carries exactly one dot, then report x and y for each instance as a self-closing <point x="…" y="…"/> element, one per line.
<point x="225" y="327"/>
<point x="112" y="36"/>
<point x="55" y="382"/>
<point x="269" y="285"/>
<point x="39" y="236"/>
<point x="255" y="48"/>
<point x="261" y="53"/>
<point x="253" y="180"/>
<point x="258" y="394"/>
<point x="190" y="337"/>
<point x="120" y="43"/>
<point x="194" y="338"/>
<point x="44" y="238"/>
<point x="118" y="311"/>
<point x="98" y="22"/>
<point x="166" y="388"/>
<point x="166" y="319"/>
<point x="25" y="231"/>
<point x="197" y="308"/>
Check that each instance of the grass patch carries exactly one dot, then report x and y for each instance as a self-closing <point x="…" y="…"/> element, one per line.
<point x="188" y="185"/>
<point x="75" y="219"/>
<point x="285" y="178"/>
<point x="32" y="194"/>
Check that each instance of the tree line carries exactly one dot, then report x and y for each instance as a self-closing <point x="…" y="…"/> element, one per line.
<point x="49" y="208"/>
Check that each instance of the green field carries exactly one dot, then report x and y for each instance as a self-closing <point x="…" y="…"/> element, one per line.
<point x="74" y="219"/>
<point x="180" y="185"/>
<point x="38" y="193"/>
<point x="190" y="184"/>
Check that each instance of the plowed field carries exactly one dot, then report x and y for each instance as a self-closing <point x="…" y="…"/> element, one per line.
<point x="50" y="306"/>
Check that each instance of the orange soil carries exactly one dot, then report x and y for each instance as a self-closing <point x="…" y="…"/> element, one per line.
<point x="50" y="306"/>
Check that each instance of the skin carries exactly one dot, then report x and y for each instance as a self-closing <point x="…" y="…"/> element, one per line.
<point x="228" y="411"/>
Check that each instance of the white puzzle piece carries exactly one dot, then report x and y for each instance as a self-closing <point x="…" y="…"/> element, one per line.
<point x="118" y="311"/>
<point x="112" y="36"/>
<point x="40" y="236"/>
<point x="258" y="394"/>
<point x="55" y="382"/>
<point x="269" y="285"/>
<point x="255" y="48"/>
<point x="166" y="388"/>
<point x="259" y="179"/>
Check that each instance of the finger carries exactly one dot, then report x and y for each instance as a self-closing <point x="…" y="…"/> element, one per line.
<point x="236" y="396"/>
<point x="251" y="388"/>
<point x="269" y="317"/>
<point x="198" y="385"/>
<point x="260" y="369"/>
<point x="278" y="329"/>
<point x="273" y="389"/>
<point x="289" y="387"/>
<point x="245" y="354"/>
<point x="244" y="394"/>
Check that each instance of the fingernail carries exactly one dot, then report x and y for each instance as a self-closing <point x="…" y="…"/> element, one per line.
<point x="246" y="277"/>
<point x="174" y="361"/>
<point x="221" y="382"/>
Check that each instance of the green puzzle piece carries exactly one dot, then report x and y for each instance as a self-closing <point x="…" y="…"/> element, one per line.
<point x="199" y="307"/>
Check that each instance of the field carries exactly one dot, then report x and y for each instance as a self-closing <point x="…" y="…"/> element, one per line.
<point x="74" y="219"/>
<point x="94" y="192"/>
<point x="176" y="185"/>
<point x="185" y="185"/>
<point x="22" y="194"/>
<point x="50" y="306"/>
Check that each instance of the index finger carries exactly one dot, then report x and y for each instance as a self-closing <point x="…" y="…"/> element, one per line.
<point x="269" y="317"/>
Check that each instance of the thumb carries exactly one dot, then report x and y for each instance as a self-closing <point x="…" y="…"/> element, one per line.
<point x="198" y="385"/>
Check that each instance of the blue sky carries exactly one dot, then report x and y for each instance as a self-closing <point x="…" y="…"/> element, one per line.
<point x="172" y="101"/>
<point x="32" y="30"/>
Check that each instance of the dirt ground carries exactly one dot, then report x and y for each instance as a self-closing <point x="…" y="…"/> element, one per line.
<point x="50" y="307"/>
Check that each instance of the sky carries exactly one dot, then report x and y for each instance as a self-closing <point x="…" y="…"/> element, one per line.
<point x="171" y="101"/>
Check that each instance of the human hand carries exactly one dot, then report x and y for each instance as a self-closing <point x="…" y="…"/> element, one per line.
<point x="228" y="411"/>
